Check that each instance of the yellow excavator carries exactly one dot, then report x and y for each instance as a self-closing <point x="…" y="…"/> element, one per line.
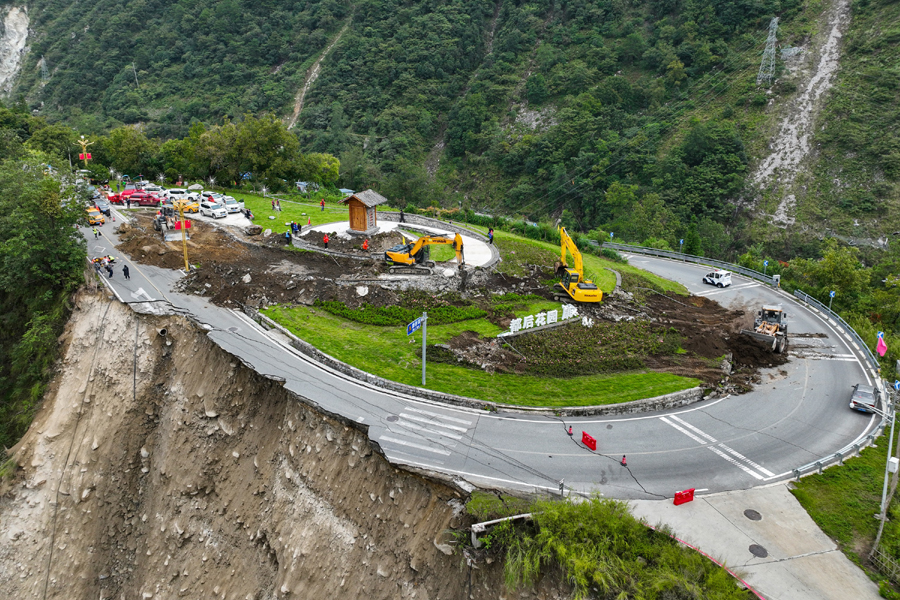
<point x="573" y="285"/>
<point x="412" y="258"/>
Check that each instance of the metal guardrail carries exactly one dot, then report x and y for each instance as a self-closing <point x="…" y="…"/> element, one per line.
<point x="700" y="260"/>
<point x="841" y="324"/>
<point x="827" y="313"/>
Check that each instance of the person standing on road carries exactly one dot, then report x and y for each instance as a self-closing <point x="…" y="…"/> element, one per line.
<point x="325" y="239"/>
<point x="125" y="272"/>
<point x="322" y="204"/>
<point x="401" y="216"/>
<point x="96" y="234"/>
<point x="109" y="270"/>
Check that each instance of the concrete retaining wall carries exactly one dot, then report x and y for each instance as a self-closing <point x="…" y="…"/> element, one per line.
<point x="676" y="399"/>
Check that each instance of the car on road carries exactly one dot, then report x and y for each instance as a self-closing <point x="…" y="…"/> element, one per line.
<point x="152" y="188"/>
<point x="103" y="206"/>
<point x="232" y="205"/>
<point x="94" y="217"/>
<point x="864" y="398"/>
<point x="718" y="278"/>
<point x="211" y="209"/>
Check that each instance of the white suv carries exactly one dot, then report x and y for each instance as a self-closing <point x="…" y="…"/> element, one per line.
<point x="232" y="205"/>
<point x="718" y="278"/>
<point x="211" y="209"/>
<point x="181" y="194"/>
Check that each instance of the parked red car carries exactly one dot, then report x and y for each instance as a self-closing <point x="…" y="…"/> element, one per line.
<point x="114" y="198"/>
<point x="142" y="198"/>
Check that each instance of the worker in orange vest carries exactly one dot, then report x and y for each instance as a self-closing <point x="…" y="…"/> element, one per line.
<point x="366" y="245"/>
<point x="325" y="239"/>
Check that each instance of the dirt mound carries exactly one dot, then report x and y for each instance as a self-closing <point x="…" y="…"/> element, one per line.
<point x="378" y="243"/>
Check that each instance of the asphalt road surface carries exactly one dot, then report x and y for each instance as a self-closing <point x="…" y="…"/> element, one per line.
<point x="798" y="414"/>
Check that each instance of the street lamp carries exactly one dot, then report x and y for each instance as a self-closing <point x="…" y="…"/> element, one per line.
<point x="180" y="205"/>
<point x="212" y="181"/>
<point x="85" y="155"/>
<point x="161" y="178"/>
<point x="264" y="190"/>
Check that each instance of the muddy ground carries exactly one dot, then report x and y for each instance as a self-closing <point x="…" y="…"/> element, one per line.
<point x="237" y="269"/>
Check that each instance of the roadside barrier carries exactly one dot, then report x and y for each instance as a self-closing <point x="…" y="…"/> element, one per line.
<point x="831" y="317"/>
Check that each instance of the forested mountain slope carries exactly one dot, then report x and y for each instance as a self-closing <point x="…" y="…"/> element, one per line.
<point x="642" y="118"/>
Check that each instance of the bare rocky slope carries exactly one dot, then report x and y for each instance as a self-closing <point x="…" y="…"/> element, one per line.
<point x="161" y="467"/>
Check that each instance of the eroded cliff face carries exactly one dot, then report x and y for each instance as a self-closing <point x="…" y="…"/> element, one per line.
<point x="161" y="467"/>
<point x="12" y="45"/>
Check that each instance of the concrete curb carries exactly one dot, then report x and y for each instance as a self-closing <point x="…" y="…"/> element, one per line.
<point x="673" y="400"/>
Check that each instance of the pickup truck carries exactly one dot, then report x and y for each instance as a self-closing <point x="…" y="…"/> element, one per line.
<point x="142" y="198"/>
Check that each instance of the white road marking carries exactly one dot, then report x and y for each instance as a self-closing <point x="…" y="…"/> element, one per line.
<point x="415" y="427"/>
<point x="432" y="422"/>
<point x="412" y="445"/>
<point x="730" y="288"/>
<point x="434" y="414"/>
<point x="684" y="431"/>
<point x="139" y="293"/>
<point x="694" y="429"/>
<point x="762" y="470"/>
<point x="736" y="463"/>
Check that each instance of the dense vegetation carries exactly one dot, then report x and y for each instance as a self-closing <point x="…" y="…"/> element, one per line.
<point x="42" y="257"/>
<point x="601" y="549"/>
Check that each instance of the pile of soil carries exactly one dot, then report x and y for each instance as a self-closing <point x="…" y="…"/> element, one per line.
<point x="378" y="243"/>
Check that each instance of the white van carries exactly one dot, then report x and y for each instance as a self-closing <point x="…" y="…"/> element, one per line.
<point x="718" y="278"/>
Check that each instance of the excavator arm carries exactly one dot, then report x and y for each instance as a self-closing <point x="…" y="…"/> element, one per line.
<point x="401" y="256"/>
<point x="566" y="243"/>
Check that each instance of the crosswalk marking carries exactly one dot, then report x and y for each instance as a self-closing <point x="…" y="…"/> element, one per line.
<point x="412" y="445"/>
<point x="438" y="415"/>
<point x="433" y="422"/>
<point x="425" y="430"/>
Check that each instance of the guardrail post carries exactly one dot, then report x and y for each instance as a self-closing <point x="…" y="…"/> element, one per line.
<point x="797" y="474"/>
<point x="840" y="457"/>
<point x="819" y="466"/>
<point x="857" y="449"/>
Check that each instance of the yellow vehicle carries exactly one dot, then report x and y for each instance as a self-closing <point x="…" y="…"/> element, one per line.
<point x="573" y="284"/>
<point x="94" y="216"/>
<point x="413" y="258"/>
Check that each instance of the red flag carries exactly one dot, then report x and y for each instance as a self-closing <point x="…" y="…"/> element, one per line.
<point x="881" y="348"/>
<point x="81" y="157"/>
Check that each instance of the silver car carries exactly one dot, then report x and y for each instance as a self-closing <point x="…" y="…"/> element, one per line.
<point x="864" y="398"/>
<point x="211" y="209"/>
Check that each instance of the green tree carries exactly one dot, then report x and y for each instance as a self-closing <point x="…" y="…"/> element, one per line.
<point x="692" y="243"/>
<point x="129" y="151"/>
<point x="56" y="141"/>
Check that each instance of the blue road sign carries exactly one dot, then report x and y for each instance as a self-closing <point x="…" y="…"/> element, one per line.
<point x="896" y="385"/>
<point x="831" y="294"/>
<point x="765" y="263"/>
<point x="413" y="327"/>
<point x="681" y="241"/>
<point x="611" y="234"/>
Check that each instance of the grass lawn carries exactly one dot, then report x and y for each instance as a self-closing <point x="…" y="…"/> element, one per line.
<point x="842" y="501"/>
<point x="291" y="210"/>
<point x="389" y="353"/>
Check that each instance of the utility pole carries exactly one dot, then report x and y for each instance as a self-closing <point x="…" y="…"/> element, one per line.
<point x="767" y="66"/>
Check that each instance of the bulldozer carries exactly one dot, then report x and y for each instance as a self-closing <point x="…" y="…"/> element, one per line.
<point x="573" y="285"/>
<point x="770" y="327"/>
<point x="413" y="258"/>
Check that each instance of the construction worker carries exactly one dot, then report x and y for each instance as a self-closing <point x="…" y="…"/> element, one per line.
<point x="325" y="239"/>
<point x="96" y="234"/>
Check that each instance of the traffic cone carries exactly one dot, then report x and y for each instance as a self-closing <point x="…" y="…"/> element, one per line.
<point x="624" y="462"/>
<point x="570" y="431"/>
<point x="309" y="220"/>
